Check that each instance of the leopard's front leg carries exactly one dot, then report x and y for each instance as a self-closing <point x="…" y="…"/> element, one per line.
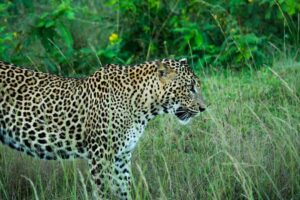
<point x="111" y="177"/>
<point x="121" y="177"/>
<point x="110" y="173"/>
<point x="100" y="170"/>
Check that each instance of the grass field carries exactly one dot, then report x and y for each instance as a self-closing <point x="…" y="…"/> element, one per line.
<point x="245" y="146"/>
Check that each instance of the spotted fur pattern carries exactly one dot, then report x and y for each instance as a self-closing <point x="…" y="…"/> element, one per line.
<point x="99" y="118"/>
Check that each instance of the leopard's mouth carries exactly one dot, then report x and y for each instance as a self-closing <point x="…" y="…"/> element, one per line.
<point x="185" y="114"/>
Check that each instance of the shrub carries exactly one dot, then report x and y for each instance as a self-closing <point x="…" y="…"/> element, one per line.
<point x="71" y="36"/>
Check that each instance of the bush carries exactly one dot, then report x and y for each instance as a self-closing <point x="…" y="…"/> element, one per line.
<point x="71" y="36"/>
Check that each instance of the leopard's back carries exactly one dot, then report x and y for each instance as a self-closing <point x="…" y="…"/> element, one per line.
<point x="37" y="111"/>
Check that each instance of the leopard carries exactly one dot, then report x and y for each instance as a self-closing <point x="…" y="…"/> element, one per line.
<point x="99" y="118"/>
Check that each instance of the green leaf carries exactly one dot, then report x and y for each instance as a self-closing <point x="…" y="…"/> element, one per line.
<point x="4" y="6"/>
<point x="65" y="35"/>
<point x="49" y="23"/>
<point x="198" y="40"/>
<point x="70" y="15"/>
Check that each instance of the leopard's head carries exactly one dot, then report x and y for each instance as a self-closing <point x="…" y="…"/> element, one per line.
<point x="181" y="89"/>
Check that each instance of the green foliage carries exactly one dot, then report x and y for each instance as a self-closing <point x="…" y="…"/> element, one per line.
<point x="5" y="37"/>
<point x="53" y="34"/>
<point x="70" y="36"/>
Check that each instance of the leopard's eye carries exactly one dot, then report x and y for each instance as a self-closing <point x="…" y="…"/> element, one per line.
<point x="192" y="88"/>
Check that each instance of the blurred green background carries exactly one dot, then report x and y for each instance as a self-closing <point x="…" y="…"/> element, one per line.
<point x="75" y="36"/>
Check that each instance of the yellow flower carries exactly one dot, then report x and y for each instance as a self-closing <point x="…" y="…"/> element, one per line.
<point x="15" y="34"/>
<point x="250" y="1"/>
<point x="113" y="38"/>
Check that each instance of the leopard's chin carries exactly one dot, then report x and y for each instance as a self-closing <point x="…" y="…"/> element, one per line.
<point x="185" y="121"/>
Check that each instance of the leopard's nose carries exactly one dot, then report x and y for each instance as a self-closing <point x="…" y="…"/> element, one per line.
<point x="202" y="109"/>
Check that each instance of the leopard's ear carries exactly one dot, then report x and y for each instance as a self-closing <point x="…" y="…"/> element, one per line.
<point x="165" y="73"/>
<point x="183" y="61"/>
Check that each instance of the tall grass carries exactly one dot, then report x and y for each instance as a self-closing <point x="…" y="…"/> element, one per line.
<point x="245" y="146"/>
